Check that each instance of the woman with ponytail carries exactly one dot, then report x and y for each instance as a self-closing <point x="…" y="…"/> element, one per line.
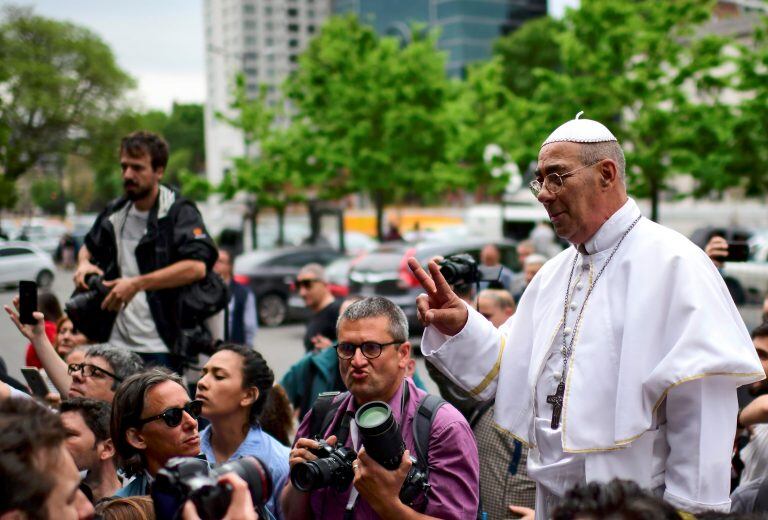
<point x="234" y="386"/>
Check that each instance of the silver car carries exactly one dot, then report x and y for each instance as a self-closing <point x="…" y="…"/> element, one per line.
<point x="24" y="261"/>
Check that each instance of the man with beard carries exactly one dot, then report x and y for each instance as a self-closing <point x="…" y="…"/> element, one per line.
<point x="147" y="244"/>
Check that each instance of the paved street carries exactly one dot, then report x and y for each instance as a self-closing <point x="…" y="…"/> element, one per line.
<point x="281" y="346"/>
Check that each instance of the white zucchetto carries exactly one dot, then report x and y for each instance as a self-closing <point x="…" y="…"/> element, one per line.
<point x="580" y="131"/>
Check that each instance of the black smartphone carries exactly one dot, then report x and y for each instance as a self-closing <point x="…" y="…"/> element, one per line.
<point x="27" y="302"/>
<point x="35" y="381"/>
<point x="737" y="252"/>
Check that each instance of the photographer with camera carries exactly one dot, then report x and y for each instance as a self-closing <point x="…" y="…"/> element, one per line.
<point x="38" y="478"/>
<point x="369" y="472"/>
<point x="153" y="420"/>
<point x="147" y="245"/>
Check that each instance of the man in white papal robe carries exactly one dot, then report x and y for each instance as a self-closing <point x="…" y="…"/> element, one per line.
<point x="634" y="320"/>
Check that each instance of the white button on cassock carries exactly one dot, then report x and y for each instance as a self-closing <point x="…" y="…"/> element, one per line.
<point x="573" y="306"/>
<point x="567" y="331"/>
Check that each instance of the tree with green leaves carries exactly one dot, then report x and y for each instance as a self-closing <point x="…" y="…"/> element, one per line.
<point x="376" y="112"/>
<point x="60" y="81"/>
<point x="645" y="69"/>
<point x="278" y="168"/>
<point x="749" y="136"/>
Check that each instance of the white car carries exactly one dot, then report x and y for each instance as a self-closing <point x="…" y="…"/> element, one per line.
<point x="24" y="261"/>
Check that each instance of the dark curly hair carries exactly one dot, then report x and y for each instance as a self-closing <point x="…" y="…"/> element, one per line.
<point x="142" y="142"/>
<point x="277" y="416"/>
<point x="256" y="373"/>
<point x="27" y="430"/>
<point x="95" y="414"/>
<point x="616" y="500"/>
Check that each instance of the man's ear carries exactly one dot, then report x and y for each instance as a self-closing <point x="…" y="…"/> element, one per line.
<point x="135" y="439"/>
<point x="609" y="172"/>
<point x="404" y="354"/>
<point x="160" y="171"/>
<point x="13" y="515"/>
<point x="106" y="449"/>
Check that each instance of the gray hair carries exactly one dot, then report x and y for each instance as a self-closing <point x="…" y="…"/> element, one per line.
<point x="591" y="153"/>
<point x="535" y="259"/>
<point x="124" y="363"/>
<point x="316" y="270"/>
<point x="500" y="297"/>
<point x="374" y="307"/>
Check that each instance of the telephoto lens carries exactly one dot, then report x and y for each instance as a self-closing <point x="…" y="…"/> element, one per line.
<point x="380" y="434"/>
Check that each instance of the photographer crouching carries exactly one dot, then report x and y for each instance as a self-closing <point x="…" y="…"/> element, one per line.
<point x="142" y="249"/>
<point x="389" y="449"/>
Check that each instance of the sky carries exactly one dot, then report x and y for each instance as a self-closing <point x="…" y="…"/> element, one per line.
<point x="158" y="42"/>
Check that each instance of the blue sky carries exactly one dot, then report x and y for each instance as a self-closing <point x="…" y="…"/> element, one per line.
<point x="159" y="42"/>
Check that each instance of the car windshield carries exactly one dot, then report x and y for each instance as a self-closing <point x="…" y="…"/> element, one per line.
<point x="252" y="259"/>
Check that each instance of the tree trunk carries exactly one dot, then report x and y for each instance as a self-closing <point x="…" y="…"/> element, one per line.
<point x="253" y="216"/>
<point x="655" y="194"/>
<point x="378" y="200"/>
<point x="280" y="225"/>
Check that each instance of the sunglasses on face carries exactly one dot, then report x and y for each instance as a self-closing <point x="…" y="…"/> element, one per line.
<point x="173" y="416"/>
<point x="89" y="370"/>
<point x="306" y="284"/>
<point x="369" y="349"/>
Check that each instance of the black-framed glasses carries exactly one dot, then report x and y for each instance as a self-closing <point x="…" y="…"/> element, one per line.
<point x="370" y="349"/>
<point x="554" y="181"/>
<point x="89" y="370"/>
<point x="306" y="283"/>
<point x="172" y="416"/>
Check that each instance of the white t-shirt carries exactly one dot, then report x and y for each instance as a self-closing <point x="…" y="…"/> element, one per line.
<point x="134" y="327"/>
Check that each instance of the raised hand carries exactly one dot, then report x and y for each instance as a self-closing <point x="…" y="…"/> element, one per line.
<point x="28" y="331"/>
<point x="439" y="307"/>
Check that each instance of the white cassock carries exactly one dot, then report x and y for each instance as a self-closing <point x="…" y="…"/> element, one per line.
<point x="651" y="385"/>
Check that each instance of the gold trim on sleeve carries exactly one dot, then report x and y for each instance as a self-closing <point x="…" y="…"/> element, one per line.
<point x="493" y="372"/>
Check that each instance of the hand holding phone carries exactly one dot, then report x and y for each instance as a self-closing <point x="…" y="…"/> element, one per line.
<point x="35" y="381"/>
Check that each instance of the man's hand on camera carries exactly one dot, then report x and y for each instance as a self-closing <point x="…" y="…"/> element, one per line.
<point x="717" y="250"/>
<point x="440" y="306"/>
<point x="379" y="486"/>
<point x="84" y="268"/>
<point x="28" y="331"/>
<point x="241" y="506"/>
<point x="301" y="451"/>
<point x="123" y="291"/>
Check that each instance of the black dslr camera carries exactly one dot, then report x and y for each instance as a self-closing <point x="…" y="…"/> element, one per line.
<point x="188" y="478"/>
<point x="333" y="467"/>
<point x="84" y="309"/>
<point x="462" y="269"/>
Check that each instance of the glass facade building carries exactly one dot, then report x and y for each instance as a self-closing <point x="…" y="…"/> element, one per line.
<point x="468" y="28"/>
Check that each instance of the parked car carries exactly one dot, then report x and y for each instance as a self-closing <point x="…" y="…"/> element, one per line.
<point x="271" y="273"/>
<point x="45" y="235"/>
<point x="385" y="272"/>
<point x="24" y="261"/>
<point x="337" y="273"/>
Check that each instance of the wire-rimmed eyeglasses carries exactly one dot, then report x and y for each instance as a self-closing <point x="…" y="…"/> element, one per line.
<point x="553" y="182"/>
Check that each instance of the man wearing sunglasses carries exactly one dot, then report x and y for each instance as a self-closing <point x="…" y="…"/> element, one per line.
<point x="312" y="286"/>
<point x="153" y="420"/>
<point x="374" y="353"/>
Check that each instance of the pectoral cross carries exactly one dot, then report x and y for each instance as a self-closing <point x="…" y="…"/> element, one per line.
<point x="556" y="400"/>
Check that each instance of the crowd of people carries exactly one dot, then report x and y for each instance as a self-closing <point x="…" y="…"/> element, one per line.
<point x="640" y="396"/>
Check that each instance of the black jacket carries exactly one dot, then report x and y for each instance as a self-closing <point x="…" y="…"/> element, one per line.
<point x="175" y="231"/>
